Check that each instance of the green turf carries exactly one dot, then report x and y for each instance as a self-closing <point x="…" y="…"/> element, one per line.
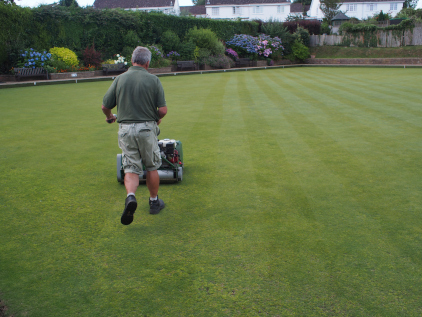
<point x="336" y="51"/>
<point x="301" y="196"/>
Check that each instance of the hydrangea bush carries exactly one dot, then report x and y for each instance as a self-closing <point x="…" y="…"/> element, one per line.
<point x="156" y="55"/>
<point x="253" y="47"/>
<point x="173" y="55"/>
<point x="32" y="59"/>
<point x="232" y="53"/>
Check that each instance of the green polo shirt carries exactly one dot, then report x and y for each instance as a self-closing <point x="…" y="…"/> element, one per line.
<point x="137" y="94"/>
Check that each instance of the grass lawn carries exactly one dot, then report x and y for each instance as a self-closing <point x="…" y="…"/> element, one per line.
<point x="365" y="52"/>
<point x="301" y="196"/>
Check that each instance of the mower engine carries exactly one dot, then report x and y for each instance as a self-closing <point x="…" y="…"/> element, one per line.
<point x="171" y="169"/>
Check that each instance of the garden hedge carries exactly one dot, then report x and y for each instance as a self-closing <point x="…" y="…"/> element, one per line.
<point x="45" y="27"/>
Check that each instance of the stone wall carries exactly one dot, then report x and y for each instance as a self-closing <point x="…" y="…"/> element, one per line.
<point x="365" y="61"/>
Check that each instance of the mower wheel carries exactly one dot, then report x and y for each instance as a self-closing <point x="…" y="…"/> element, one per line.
<point x="120" y="172"/>
<point x="180" y="174"/>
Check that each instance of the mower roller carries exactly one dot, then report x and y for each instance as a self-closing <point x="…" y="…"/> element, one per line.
<point x="171" y="169"/>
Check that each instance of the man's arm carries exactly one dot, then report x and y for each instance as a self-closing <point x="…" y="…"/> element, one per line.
<point x="161" y="113"/>
<point x="110" y="118"/>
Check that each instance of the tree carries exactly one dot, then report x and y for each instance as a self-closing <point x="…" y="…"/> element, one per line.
<point x="410" y="4"/>
<point x="7" y="1"/>
<point x="68" y="3"/>
<point x="330" y="8"/>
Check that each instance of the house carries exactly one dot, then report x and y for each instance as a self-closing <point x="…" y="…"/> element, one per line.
<point x="337" y="21"/>
<point x="298" y="9"/>
<point x="360" y="9"/>
<point x="166" y="6"/>
<point x="276" y="10"/>
<point x="198" y="11"/>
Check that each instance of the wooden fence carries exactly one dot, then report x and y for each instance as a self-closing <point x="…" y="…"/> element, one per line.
<point x="381" y="38"/>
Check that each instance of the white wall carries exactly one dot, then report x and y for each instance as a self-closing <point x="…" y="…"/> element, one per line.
<point x="251" y="12"/>
<point x="362" y="9"/>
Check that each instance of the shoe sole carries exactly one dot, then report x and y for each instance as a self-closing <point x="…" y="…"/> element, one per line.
<point x="127" y="216"/>
<point x="155" y="211"/>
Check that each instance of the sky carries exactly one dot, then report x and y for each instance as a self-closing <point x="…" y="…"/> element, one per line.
<point x="84" y="3"/>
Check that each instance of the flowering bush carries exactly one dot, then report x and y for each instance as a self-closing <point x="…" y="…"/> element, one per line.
<point x="268" y="45"/>
<point x="65" y="55"/>
<point x="173" y="55"/>
<point x="119" y="59"/>
<point x="156" y="55"/>
<point x="232" y="53"/>
<point x="250" y="46"/>
<point x="31" y="58"/>
<point x="243" y="44"/>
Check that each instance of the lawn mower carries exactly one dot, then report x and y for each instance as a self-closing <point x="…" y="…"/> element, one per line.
<point x="171" y="169"/>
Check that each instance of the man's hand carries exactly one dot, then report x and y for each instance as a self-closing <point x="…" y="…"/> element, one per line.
<point x="112" y="119"/>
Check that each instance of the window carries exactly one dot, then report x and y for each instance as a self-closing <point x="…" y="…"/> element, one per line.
<point x="372" y="7"/>
<point x="352" y="7"/>
<point x="215" y="11"/>
<point x="257" y="9"/>
<point x="236" y="10"/>
<point x="393" y="6"/>
<point x="280" y="9"/>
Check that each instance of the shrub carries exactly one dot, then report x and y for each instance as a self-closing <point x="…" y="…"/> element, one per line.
<point x="91" y="57"/>
<point x="243" y="44"/>
<point x="187" y="50"/>
<point x="325" y="27"/>
<point x="173" y="55"/>
<point x="300" y="51"/>
<point x="302" y="35"/>
<point x="232" y="54"/>
<point x="170" y="41"/>
<point x="252" y="47"/>
<point x="31" y="58"/>
<point x="205" y="38"/>
<point x="268" y="46"/>
<point x="273" y="28"/>
<point x="156" y="55"/>
<point x="65" y="55"/>
<point x="201" y="55"/>
<point x="219" y="61"/>
<point x="313" y="26"/>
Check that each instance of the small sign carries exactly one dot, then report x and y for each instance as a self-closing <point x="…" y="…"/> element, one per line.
<point x="74" y="75"/>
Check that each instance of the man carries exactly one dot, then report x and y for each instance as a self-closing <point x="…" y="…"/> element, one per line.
<point x="141" y="105"/>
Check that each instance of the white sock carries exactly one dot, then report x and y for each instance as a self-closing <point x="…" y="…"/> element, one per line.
<point x="133" y="194"/>
<point x="152" y="199"/>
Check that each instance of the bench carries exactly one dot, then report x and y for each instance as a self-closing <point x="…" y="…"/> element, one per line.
<point x="30" y="72"/>
<point x="244" y="62"/>
<point x="186" y="65"/>
<point x="113" y="68"/>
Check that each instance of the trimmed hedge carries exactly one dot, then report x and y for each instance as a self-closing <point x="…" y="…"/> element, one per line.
<point x="77" y="28"/>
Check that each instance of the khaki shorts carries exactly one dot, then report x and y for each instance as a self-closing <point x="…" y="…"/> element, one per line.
<point x="139" y="144"/>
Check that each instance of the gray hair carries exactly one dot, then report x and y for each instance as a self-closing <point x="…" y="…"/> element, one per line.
<point x="141" y="55"/>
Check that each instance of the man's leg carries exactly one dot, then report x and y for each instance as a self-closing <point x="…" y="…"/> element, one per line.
<point x="153" y="182"/>
<point x="131" y="182"/>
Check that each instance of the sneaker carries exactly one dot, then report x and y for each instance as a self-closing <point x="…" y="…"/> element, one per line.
<point x="130" y="207"/>
<point x="155" y="206"/>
